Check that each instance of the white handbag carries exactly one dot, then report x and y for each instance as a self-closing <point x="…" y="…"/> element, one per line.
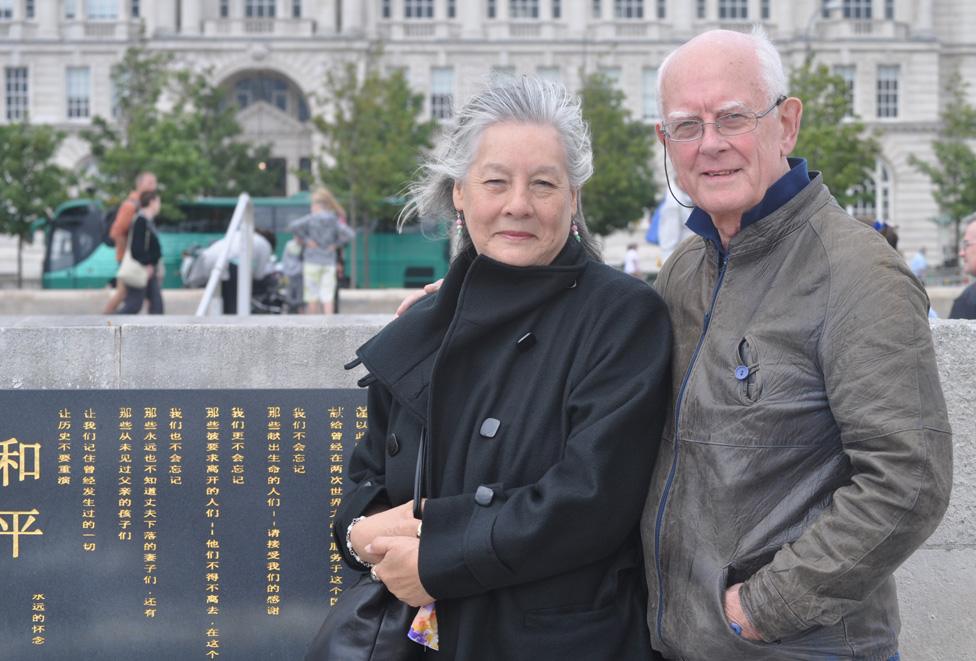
<point x="131" y="273"/>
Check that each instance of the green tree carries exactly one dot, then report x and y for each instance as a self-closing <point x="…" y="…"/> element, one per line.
<point x="373" y="139"/>
<point x="831" y="139"/>
<point x="953" y="173"/>
<point x="31" y="185"/>
<point x="194" y="145"/>
<point x="622" y="185"/>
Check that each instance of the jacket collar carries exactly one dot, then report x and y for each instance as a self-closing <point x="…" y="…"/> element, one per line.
<point x="478" y="295"/>
<point x="780" y="193"/>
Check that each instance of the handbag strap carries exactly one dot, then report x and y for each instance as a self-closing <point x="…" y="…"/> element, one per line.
<point x="418" y="476"/>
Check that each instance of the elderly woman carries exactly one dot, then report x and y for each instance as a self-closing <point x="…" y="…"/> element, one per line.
<point x="535" y="380"/>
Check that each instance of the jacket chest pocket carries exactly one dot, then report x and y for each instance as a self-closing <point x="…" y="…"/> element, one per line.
<point x="748" y="371"/>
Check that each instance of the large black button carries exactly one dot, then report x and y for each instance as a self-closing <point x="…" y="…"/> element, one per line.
<point x="392" y="445"/>
<point x="484" y="495"/>
<point x="490" y="427"/>
<point x="526" y="342"/>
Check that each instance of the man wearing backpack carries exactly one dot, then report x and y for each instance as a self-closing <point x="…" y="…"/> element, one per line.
<point x="119" y="231"/>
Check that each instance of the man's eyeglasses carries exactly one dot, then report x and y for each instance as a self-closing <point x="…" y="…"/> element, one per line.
<point x="966" y="244"/>
<point x="729" y="124"/>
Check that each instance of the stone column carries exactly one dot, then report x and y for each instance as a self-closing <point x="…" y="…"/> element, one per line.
<point x="191" y="22"/>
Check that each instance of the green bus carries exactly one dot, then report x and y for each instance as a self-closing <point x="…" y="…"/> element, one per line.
<point x="76" y="255"/>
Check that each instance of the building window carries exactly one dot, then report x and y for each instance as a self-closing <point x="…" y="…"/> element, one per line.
<point x="874" y="196"/>
<point x="733" y="9"/>
<point x="418" y="8"/>
<point x="452" y="8"/>
<point x="78" y="88"/>
<point x="888" y="90"/>
<point x="262" y="88"/>
<point x="386" y="9"/>
<point x="649" y="92"/>
<point x="662" y="9"/>
<point x="492" y="9"/>
<point x="101" y="10"/>
<point x="6" y="9"/>
<point x="764" y="10"/>
<point x="29" y="9"/>
<point x="296" y="8"/>
<point x="502" y="74"/>
<point x="889" y="10"/>
<point x="224" y="8"/>
<point x="700" y="9"/>
<point x="597" y="9"/>
<point x="16" y="88"/>
<point x="549" y="73"/>
<point x="557" y="9"/>
<point x="628" y="8"/>
<point x="441" y="92"/>
<point x="825" y="7"/>
<point x="857" y="9"/>
<point x="70" y="10"/>
<point x="612" y="74"/>
<point x="304" y="173"/>
<point x="523" y="8"/>
<point x="847" y="72"/>
<point x="259" y="8"/>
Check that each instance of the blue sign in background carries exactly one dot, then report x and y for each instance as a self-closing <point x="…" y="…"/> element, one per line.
<point x="96" y="604"/>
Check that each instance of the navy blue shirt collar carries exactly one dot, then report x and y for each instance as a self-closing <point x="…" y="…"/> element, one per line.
<point x="781" y="192"/>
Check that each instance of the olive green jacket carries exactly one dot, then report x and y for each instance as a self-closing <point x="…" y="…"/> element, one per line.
<point x="807" y="452"/>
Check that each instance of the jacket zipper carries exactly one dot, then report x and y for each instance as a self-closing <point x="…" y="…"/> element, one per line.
<point x="674" y="461"/>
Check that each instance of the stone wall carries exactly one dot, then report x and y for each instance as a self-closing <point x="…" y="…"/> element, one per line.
<point x="937" y="586"/>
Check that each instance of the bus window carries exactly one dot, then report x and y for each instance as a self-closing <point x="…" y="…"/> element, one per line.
<point x="61" y="255"/>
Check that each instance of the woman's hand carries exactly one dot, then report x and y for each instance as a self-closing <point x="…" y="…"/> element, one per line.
<point x="394" y="522"/>
<point x="400" y="568"/>
<point x="736" y="615"/>
<point x="413" y="297"/>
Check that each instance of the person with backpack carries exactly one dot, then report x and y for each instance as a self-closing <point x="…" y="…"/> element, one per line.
<point x="119" y="232"/>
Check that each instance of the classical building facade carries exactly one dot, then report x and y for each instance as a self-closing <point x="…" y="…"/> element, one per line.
<point x="272" y="55"/>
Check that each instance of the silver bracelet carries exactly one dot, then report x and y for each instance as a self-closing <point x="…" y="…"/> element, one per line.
<point x="352" y="551"/>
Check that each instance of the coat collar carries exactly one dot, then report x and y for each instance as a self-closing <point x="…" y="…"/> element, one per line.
<point x="763" y="233"/>
<point x="478" y="295"/>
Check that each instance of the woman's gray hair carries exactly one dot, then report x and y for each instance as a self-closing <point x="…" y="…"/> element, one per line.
<point x="525" y="100"/>
<point x="770" y="69"/>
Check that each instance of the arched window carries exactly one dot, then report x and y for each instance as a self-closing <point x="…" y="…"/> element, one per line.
<point x="874" y="196"/>
<point x="274" y="90"/>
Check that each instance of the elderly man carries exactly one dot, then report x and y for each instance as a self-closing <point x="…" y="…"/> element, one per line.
<point x="808" y="451"/>
<point x="964" y="307"/>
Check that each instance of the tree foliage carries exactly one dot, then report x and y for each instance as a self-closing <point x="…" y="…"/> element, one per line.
<point x="953" y="173"/>
<point x="622" y="185"/>
<point x="832" y="141"/>
<point x="373" y="139"/>
<point x="31" y="184"/>
<point x="178" y="125"/>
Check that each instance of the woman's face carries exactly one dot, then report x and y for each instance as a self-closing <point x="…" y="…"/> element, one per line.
<point x="516" y="198"/>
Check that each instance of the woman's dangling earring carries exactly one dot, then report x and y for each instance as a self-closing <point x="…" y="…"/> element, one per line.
<point x="459" y="223"/>
<point x="574" y="230"/>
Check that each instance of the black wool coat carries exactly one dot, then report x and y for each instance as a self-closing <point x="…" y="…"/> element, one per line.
<point x="542" y="393"/>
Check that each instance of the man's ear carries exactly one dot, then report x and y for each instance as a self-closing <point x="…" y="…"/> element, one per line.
<point x="660" y="132"/>
<point x="790" y="114"/>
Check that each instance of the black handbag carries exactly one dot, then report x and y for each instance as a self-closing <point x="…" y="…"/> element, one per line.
<point x="368" y="623"/>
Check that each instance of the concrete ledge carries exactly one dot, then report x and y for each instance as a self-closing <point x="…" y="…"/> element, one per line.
<point x="86" y="302"/>
<point x="937" y="586"/>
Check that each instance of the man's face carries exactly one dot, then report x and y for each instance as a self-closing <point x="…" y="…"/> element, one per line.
<point x="967" y="250"/>
<point x="726" y="175"/>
